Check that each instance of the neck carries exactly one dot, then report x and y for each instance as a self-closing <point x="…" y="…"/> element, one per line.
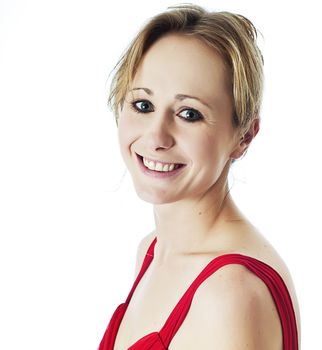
<point x="187" y="227"/>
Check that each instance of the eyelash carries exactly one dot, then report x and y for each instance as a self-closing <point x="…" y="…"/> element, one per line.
<point x="137" y="110"/>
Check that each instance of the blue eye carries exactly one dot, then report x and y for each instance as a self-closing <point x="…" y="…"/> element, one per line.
<point x="191" y="115"/>
<point x="143" y="106"/>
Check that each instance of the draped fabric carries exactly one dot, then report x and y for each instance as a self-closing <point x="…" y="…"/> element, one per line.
<point x="160" y="340"/>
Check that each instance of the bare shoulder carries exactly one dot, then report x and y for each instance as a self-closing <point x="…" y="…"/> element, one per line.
<point x="238" y="311"/>
<point x="142" y="249"/>
<point x="233" y="308"/>
<point x="261" y="249"/>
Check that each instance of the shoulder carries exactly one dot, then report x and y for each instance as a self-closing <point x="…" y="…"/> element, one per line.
<point x="239" y="310"/>
<point x="258" y="247"/>
<point x="142" y="249"/>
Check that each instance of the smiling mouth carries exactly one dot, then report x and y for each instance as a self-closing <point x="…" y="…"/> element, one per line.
<point x="157" y="166"/>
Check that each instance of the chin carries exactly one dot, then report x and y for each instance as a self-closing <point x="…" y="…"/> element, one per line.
<point x="155" y="198"/>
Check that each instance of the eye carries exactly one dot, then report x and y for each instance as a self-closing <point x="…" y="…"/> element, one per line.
<point x="190" y="115"/>
<point x="142" y="106"/>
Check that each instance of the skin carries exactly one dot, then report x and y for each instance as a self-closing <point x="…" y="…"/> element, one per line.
<point x="196" y="219"/>
<point x="187" y="208"/>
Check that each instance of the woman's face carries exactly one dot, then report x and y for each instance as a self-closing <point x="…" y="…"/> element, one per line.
<point x="178" y="111"/>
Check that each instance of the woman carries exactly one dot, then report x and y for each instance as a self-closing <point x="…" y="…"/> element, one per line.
<point x="186" y="96"/>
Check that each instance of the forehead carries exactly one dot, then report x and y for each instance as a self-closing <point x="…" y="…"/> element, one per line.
<point x="184" y="63"/>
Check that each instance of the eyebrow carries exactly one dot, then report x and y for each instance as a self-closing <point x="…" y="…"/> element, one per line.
<point x="179" y="97"/>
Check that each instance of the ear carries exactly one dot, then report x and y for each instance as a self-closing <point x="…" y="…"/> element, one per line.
<point x="245" y="140"/>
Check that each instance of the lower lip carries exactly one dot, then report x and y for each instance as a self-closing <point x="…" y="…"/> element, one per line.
<point x="158" y="174"/>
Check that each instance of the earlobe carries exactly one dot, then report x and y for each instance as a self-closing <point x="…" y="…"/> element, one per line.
<point x="245" y="140"/>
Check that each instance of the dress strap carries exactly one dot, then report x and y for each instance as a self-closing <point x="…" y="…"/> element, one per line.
<point x="270" y="277"/>
<point x="146" y="263"/>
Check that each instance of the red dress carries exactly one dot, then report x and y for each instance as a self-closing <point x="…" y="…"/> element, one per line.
<point x="160" y="340"/>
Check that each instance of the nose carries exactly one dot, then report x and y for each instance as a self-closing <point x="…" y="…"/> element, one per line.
<point x="160" y="133"/>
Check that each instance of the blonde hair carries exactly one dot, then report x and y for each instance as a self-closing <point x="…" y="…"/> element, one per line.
<point x="232" y="35"/>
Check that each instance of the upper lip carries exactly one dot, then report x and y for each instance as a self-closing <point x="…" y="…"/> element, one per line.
<point x="158" y="161"/>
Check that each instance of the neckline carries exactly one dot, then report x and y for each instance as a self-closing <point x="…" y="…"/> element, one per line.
<point x="149" y="256"/>
<point x="173" y="322"/>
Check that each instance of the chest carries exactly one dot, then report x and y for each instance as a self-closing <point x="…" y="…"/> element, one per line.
<point x="154" y="299"/>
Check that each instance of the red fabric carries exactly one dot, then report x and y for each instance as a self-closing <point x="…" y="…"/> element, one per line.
<point x="161" y="340"/>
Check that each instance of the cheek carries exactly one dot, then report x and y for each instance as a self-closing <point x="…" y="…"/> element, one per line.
<point x="126" y="128"/>
<point x="207" y="149"/>
<point x="211" y="149"/>
<point x="124" y="134"/>
<point x="128" y="132"/>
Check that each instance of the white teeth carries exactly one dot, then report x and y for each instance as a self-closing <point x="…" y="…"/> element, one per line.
<point x="166" y="167"/>
<point x="151" y="165"/>
<point x="159" y="166"/>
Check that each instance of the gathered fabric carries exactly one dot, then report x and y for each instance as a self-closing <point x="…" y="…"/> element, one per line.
<point x="160" y="340"/>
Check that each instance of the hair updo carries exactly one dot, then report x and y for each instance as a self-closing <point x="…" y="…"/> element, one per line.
<point x="232" y="35"/>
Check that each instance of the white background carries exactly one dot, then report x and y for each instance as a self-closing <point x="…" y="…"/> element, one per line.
<point x="70" y="221"/>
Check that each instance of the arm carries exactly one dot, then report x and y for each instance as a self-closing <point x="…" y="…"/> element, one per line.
<point x="236" y="311"/>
